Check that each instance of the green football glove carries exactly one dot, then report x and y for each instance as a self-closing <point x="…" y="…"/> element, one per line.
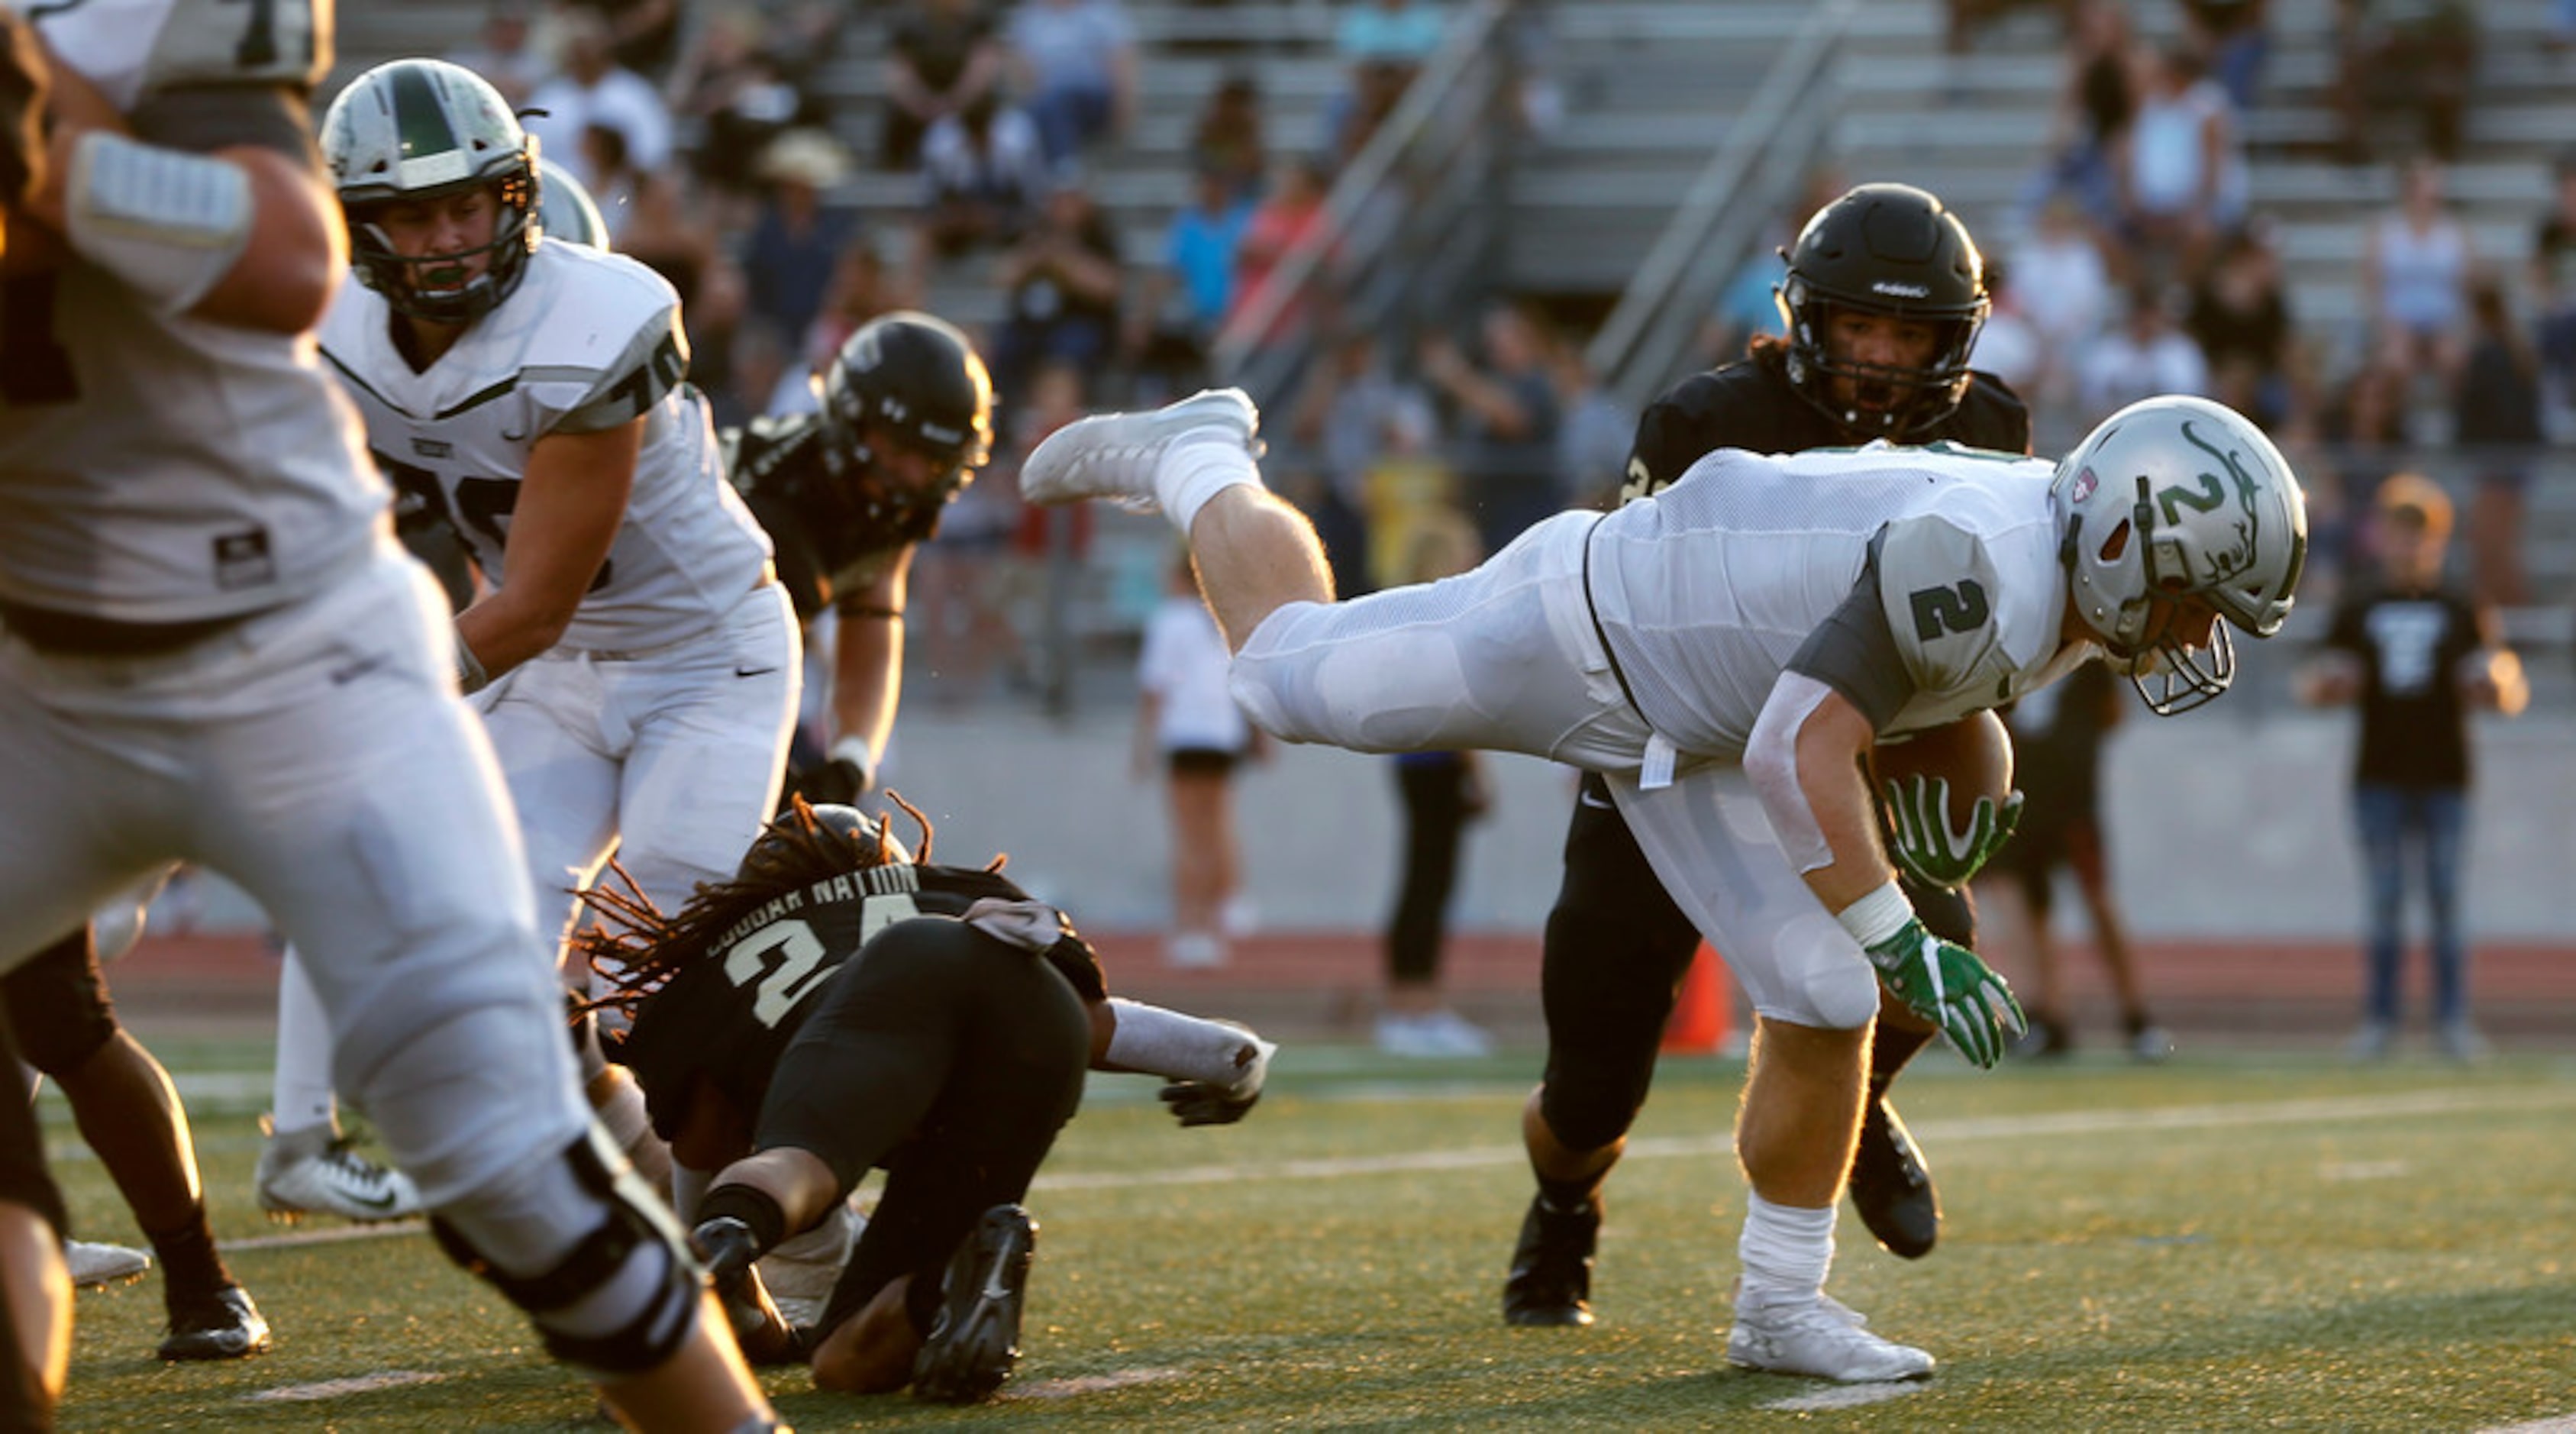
<point x="1947" y="985"/>
<point x="1923" y="842"/>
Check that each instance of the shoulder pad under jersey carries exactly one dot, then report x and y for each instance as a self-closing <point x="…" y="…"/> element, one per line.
<point x="1938" y="586"/>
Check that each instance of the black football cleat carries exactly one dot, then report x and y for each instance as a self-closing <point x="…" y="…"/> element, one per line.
<point x="1891" y="1187"/>
<point x="219" y="1324"/>
<point x="1551" y="1279"/>
<point x="975" y="1338"/>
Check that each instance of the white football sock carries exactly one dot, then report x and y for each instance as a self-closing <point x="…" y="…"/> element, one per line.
<point x="1195" y="469"/>
<point x="1786" y="1250"/>
<point x="300" y="1091"/>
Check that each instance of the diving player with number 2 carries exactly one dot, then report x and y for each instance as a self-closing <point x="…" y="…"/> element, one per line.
<point x="632" y="654"/>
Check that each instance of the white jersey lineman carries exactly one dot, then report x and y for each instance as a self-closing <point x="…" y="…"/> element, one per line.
<point x="1929" y="577"/>
<point x="216" y="652"/>
<point x="658" y="727"/>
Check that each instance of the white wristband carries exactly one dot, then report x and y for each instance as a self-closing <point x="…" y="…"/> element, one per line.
<point x="168" y="223"/>
<point x="1877" y="916"/>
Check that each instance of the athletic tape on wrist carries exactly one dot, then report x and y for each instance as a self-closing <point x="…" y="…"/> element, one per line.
<point x="1168" y="1043"/>
<point x="470" y="676"/>
<point x="1877" y="916"/>
<point x="168" y="223"/>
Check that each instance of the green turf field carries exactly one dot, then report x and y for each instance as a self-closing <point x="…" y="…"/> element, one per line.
<point x="2228" y="1242"/>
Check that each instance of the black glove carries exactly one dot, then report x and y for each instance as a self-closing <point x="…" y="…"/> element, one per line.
<point x="25" y="76"/>
<point x="1196" y="1102"/>
<point x="725" y="1246"/>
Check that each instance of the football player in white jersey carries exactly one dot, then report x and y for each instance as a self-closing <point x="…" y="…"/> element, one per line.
<point x="215" y="652"/>
<point x="634" y="658"/>
<point x="1725" y="653"/>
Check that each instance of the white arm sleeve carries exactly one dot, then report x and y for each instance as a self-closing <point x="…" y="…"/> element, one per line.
<point x="1771" y="763"/>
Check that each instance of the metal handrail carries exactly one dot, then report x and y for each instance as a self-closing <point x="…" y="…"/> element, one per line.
<point x="1783" y="125"/>
<point x="1259" y="348"/>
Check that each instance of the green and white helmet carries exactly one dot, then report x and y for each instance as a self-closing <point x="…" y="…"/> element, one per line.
<point x="424" y="129"/>
<point x="565" y="208"/>
<point x="2175" y="497"/>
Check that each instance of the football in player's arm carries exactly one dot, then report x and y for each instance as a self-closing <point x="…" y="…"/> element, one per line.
<point x="843" y="1004"/>
<point x="903" y="418"/>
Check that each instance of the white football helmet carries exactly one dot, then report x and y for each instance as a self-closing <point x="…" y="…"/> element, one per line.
<point x="564" y="207"/>
<point x="2178" y="497"/>
<point x="421" y="129"/>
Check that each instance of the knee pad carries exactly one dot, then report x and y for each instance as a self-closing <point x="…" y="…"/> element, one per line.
<point x="59" y="1012"/>
<point x="621" y="1299"/>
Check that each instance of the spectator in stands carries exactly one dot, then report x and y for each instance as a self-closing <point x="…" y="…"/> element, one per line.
<point x="592" y="88"/>
<point x="2234" y="40"/>
<point x="2418" y="657"/>
<point x="2496" y="425"/>
<point x="1382" y="45"/>
<point x="1228" y="139"/>
<point x="941" y="57"/>
<point x="2097" y="96"/>
<point x="2011" y="345"/>
<point x="2063" y="264"/>
<point x="1184" y="300"/>
<point x="863" y="286"/>
<point x="649" y="218"/>
<point x="1506" y="412"/>
<point x="732" y="84"/>
<point x="2240" y="317"/>
<point x="1189" y="729"/>
<point x="2057" y="735"/>
<point x="1442" y="792"/>
<point x="1065" y="278"/>
<point x="1074" y="64"/>
<point x="2404" y="54"/>
<point x="762" y="361"/>
<point x="2180" y="168"/>
<point x="984" y="174"/>
<point x="2417" y="264"/>
<point x="2553" y="288"/>
<point x="2147" y="353"/>
<point x="1351" y="405"/>
<point x="643" y="35"/>
<point x="1293" y="209"/>
<point x="503" y="51"/>
<point x="795" y="240"/>
<point x="1593" y="438"/>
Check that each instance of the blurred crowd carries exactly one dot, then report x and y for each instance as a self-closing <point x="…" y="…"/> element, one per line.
<point x="2135" y="259"/>
<point x="2140" y="261"/>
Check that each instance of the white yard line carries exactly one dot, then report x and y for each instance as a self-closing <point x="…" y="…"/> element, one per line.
<point x="2322" y="1110"/>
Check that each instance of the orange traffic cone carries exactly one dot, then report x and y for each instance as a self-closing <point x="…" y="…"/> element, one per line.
<point x="1702" y="1011"/>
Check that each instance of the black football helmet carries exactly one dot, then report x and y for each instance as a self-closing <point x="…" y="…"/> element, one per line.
<point x="870" y="837"/>
<point x="918" y="377"/>
<point x="1887" y="249"/>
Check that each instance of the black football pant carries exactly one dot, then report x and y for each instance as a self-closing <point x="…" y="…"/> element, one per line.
<point x="948" y="1057"/>
<point x="1616" y="951"/>
<point x="59" y="1011"/>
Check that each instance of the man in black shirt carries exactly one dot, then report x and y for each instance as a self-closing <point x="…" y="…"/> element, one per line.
<point x="1883" y="298"/>
<point x="841" y="1005"/>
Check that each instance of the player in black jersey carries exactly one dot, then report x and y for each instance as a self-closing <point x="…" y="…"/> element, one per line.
<point x="842" y="1005"/>
<point x="847" y="493"/>
<point x="1883" y="298"/>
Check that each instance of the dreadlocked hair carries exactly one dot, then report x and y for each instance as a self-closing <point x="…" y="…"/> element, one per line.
<point x="636" y="949"/>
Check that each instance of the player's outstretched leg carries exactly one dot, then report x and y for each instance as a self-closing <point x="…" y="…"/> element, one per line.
<point x="1195" y="461"/>
<point x="975" y="1339"/>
